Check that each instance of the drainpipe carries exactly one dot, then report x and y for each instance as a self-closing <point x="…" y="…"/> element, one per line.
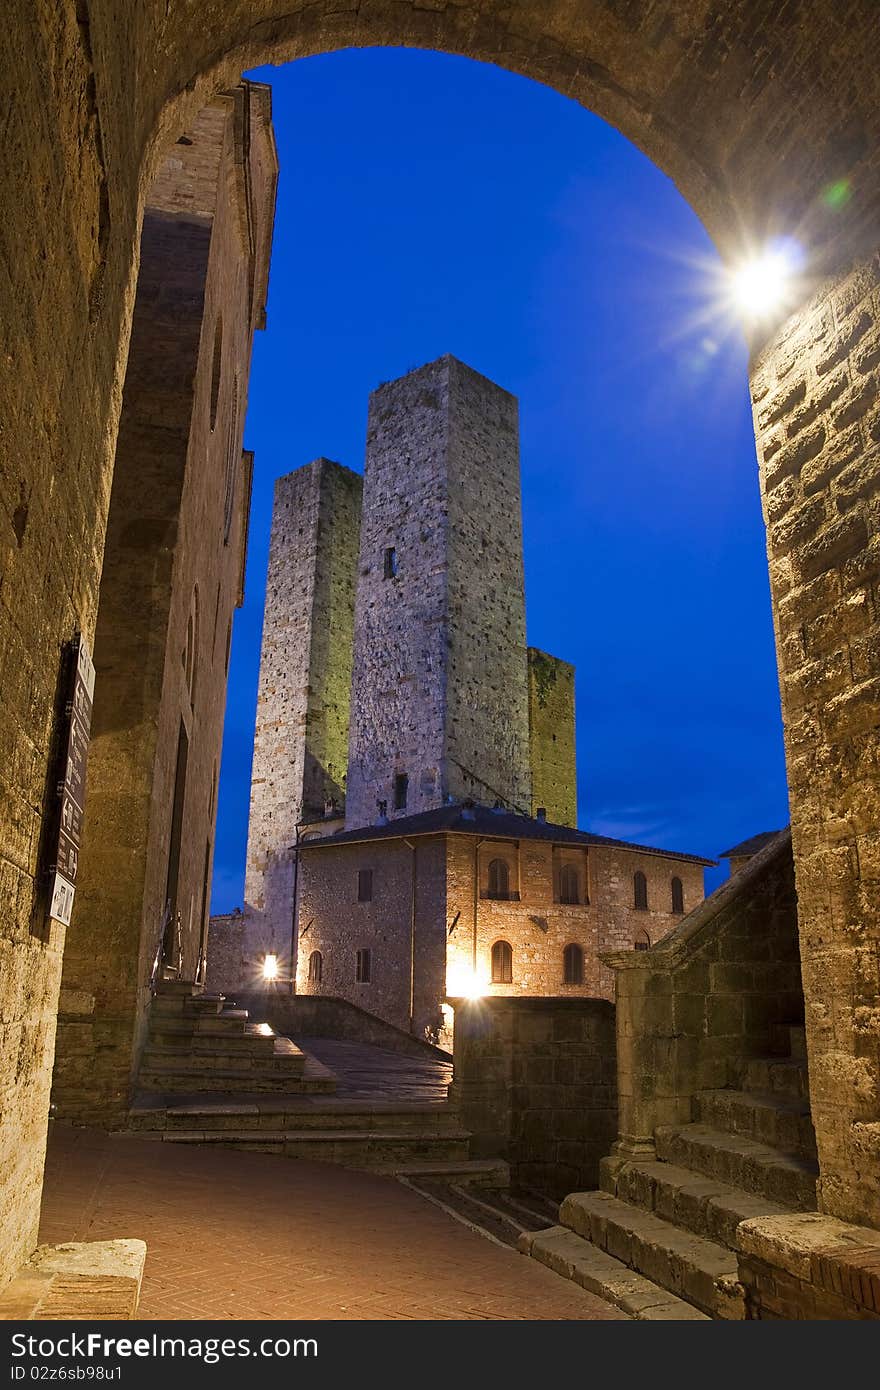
<point x="293" y="941"/>
<point x="412" y="935"/>
<point x="477" y="844"/>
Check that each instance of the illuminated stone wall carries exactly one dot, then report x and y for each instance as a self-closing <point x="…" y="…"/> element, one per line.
<point x="439" y="678"/>
<point x="456" y="923"/>
<point x="552" y="737"/>
<point x="301" y="735"/>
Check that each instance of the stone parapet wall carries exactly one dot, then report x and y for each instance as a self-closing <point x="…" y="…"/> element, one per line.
<point x="691" y="1009"/>
<point x="534" y="1080"/>
<point x="320" y="1016"/>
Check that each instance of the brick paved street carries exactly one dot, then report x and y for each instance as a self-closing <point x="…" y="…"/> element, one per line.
<point x="248" y="1235"/>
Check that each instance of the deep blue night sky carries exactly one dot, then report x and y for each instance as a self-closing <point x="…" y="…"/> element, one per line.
<point x="430" y="204"/>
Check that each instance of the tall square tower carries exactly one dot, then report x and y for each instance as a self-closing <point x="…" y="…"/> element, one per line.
<point x="439" y="683"/>
<point x="301" y="735"/>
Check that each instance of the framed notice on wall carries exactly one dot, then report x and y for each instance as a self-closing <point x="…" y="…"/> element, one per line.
<point x="72" y="784"/>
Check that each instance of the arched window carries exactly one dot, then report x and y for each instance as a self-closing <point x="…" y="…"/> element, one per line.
<point x="216" y="369"/>
<point x="502" y="963"/>
<point x="316" y="967"/>
<point x="642" y="942"/>
<point x="573" y="964"/>
<point x="191" y="650"/>
<point x="233" y="460"/>
<point x="568" y="884"/>
<point x="499" y="879"/>
<point x="677" y="895"/>
<point x="640" y="891"/>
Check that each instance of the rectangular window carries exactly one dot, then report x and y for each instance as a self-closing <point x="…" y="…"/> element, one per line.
<point x="401" y="788"/>
<point x="364" y="967"/>
<point x="365" y="885"/>
<point x="390" y="568"/>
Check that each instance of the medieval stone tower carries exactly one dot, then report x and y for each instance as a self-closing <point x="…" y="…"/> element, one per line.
<point x="439" y="684"/>
<point x="552" y="737"/>
<point x="301" y="737"/>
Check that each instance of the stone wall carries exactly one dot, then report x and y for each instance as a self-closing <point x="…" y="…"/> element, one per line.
<point x="403" y="926"/>
<point x="807" y="1266"/>
<point x="534" y="1080"/>
<point x="95" y="96"/>
<point x="816" y="399"/>
<point x="692" y="1009"/>
<point x="322" y="1016"/>
<point x="301" y="735"/>
<point x="439" y="680"/>
<point x="171" y="578"/>
<point x="552" y="737"/>
<point x="457" y="924"/>
<point x="538" y="927"/>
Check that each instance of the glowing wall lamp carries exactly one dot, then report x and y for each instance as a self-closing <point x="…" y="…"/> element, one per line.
<point x="270" y="967"/>
<point x="763" y="284"/>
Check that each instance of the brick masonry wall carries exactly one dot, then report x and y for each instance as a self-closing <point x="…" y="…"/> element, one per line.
<point x="806" y="1266"/>
<point x="96" y="95"/>
<point x="535" y="1083"/>
<point x="301" y="735"/>
<point x="178" y="480"/>
<point x="552" y="737"/>
<point x="439" y="677"/>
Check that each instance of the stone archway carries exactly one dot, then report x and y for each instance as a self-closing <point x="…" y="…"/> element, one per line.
<point x="767" y="121"/>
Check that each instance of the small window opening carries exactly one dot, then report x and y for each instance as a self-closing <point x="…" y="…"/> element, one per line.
<point x="569" y="888"/>
<point x="390" y="566"/>
<point x="364" y="967"/>
<point x="316" y="967"/>
<point x="365" y="885"/>
<point x="401" y="789"/>
<point x="499" y="879"/>
<point x="502" y="963"/>
<point x="573" y="964"/>
<point x="640" y="891"/>
<point x="677" y="895"/>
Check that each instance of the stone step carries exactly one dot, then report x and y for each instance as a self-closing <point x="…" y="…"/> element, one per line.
<point x="783" y="1124"/>
<point x="179" y="989"/>
<point x="691" y="1267"/>
<point x="380" y="1150"/>
<point x="790" y="1040"/>
<point x="740" y="1162"/>
<point x="600" y="1273"/>
<point x="287" y="1113"/>
<point x="251" y="1059"/>
<point x="228" y="1082"/>
<point x="160" y="1044"/>
<point x="182" y="1006"/>
<point x="705" y="1206"/>
<point x="223" y="1025"/>
<point x="784" y="1076"/>
<point x="477" y="1172"/>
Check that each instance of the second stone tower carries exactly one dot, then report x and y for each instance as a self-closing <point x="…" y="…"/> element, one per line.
<point x="439" y="684"/>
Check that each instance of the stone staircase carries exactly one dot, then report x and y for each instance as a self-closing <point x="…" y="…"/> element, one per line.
<point x="659" y="1239"/>
<point x="210" y="1076"/>
<point x="196" y="1043"/>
